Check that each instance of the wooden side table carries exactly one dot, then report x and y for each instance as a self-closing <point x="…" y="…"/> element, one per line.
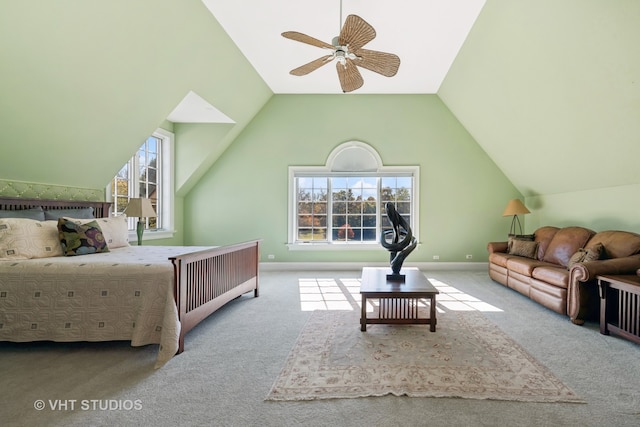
<point x="620" y="306"/>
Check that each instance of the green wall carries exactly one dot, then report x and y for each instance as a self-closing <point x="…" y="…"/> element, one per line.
<point x="615" y="208"/>
<point x="550" y="89"/>
<point x="85" y="82"/>
<point x="244" y="195"/>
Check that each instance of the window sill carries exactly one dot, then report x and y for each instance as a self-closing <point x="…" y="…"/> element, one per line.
<point x="325" y="246"/>
<point x="150" y="235"/>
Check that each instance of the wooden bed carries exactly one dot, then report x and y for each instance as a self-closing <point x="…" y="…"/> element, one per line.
<point x="204" y="280"/>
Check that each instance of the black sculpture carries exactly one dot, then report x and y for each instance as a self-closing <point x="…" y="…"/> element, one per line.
<point x="402" y="242"/>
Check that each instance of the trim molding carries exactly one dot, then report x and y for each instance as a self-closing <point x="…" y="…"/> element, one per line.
<point x="341" y="266"/>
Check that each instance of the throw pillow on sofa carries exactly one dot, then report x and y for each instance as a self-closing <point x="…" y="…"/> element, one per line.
<point x="512" y="237"/>
<point x="524" y="248"/>
<point x="586" y="255"/>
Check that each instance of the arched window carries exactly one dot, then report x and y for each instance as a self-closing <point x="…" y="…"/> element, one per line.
<point x="342" y="203"/>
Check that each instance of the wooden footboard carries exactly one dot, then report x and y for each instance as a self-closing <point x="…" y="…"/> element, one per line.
<point x="206" y="280"/>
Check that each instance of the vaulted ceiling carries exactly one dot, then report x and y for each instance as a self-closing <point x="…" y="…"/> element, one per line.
<point x="425" y="34"/>
<point x="548" y="88"/>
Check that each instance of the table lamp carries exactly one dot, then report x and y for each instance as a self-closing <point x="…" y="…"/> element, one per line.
<point x="141" y="208"/>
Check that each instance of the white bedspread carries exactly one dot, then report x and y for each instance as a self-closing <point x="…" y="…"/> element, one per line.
<point x="125" y="294"/>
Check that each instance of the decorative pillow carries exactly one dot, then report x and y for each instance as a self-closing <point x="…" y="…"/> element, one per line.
<point x="81" y="239"/>
<point x="34" y="213"/>
<point x="80" y="213"/>
<point x="525" y="248"/>
<point x="512" y="237"/>
<point x="114" y="229"/>
<point x="24" y="238"/>
<point x="586" y="255"/>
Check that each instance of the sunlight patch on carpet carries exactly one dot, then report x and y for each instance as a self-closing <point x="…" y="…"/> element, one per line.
<point x="468" y="357"/>
<point x="344" y="294"/>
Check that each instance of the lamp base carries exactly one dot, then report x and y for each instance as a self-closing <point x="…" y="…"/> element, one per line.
<point x="139" y="231"/>
<point x="514" y="221"/>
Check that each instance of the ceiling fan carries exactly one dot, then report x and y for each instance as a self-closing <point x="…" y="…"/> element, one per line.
<point x="347" y="50"/>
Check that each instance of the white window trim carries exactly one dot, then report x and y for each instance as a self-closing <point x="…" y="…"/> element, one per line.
<point x="167" y="189"/>
<point x="351" y="153"/>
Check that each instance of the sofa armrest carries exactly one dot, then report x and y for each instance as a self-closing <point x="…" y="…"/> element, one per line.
<point x="581" y="273"/>
<point x="494" y="247"/>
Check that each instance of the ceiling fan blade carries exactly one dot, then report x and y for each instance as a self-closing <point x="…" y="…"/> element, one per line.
<point x="311" y="66"/>
<point x="383" y="63"/>
<point x="303" y="38"/>
<point x="355" y="33"/>
<point x="350" y="77"/>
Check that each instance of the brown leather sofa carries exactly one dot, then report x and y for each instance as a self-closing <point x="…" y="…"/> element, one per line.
<point x="557" y="267"/>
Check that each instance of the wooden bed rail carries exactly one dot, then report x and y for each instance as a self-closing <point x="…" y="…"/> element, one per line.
<point x="208" y="279"/>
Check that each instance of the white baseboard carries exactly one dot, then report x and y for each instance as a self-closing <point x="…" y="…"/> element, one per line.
<point x="341" y="266"/>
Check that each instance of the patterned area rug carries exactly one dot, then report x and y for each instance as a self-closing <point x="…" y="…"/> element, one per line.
<point x="467" y="357"/>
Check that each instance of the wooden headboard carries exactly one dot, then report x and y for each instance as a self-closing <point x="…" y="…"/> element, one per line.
<point x="100" y="209"/>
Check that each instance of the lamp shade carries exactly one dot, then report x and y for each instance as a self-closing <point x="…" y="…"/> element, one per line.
<point x="140" y="208"/>
<point x="515" y="207"/>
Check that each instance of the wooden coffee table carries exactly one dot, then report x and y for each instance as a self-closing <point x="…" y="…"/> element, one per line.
<point x="398" y="300"/>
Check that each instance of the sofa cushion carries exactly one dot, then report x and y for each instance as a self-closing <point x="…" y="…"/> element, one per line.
<point x="556" y="276"/>
<point x="617" y="244"/>
<point x="524" y="266"/>
<point x="565" y="243"/>
<point x="499" y="258"/>
<point x="527" y="249"/>
<point x="543" y="236"/>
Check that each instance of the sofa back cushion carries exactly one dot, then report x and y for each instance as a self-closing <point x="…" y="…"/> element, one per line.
<point x="565" y="243"/>
<point x="617" y="244"/>
<point x="543" y="236"/>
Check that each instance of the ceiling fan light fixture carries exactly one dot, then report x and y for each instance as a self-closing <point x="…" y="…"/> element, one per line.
<point x="347" y="47"/>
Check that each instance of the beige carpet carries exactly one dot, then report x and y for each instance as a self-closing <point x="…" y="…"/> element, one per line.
<point x="467" y="357"/>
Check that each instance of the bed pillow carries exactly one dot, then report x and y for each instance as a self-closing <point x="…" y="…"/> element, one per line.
<point x="80" y="213"/>
<point x="114" y="229"/>
<point x="81" y="239"/>
<point x="33" y="213"/>
<point x="24" y="238"/>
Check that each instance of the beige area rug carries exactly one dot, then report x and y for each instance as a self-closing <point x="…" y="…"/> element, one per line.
<point x="467" y="357"/>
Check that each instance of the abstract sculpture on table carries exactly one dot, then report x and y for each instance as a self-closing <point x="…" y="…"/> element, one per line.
<point x="401" y="244"/>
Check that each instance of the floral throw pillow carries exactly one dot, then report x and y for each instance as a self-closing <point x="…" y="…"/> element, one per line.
<point x="81" y="239"/>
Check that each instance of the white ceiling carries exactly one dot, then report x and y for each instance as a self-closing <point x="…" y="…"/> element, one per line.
<point x="425" y="34"/>
<point x="195" y="109"/>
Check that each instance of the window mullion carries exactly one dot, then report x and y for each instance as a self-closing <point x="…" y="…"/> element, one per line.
<point x="329" y="210"/>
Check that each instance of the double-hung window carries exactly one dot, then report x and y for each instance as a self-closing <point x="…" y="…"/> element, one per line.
<point x="330" y="205"/>
<point x="148" y="174"/>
